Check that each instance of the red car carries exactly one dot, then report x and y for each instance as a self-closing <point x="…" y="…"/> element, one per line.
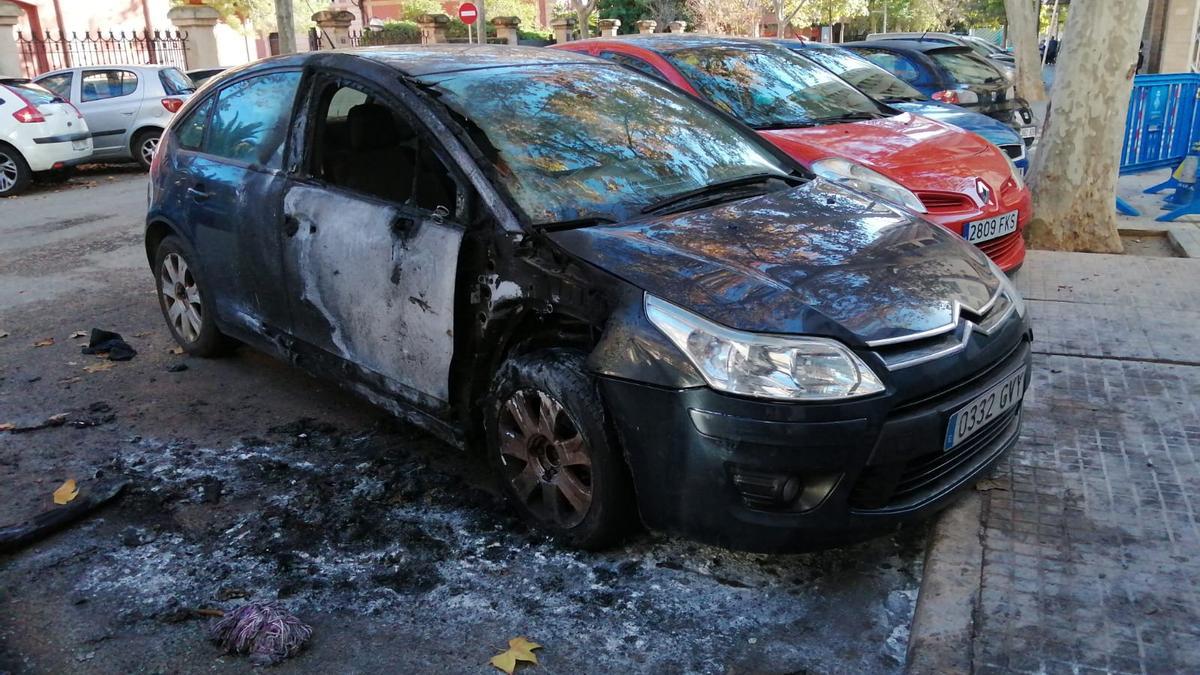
<point x="949" y="176"/>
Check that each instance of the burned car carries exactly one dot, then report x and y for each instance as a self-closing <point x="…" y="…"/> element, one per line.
<point x="636" y="306"/>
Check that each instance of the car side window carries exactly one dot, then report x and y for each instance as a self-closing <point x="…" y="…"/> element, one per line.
<point x="633" y="63"/>
<point x="364" y="144"/>
<point x="892" y="62"/>
<point x="191" y="130"/>
<point x="60" y="84"/>
<point x="252" y="117"/>
<point x="97" y="85"/>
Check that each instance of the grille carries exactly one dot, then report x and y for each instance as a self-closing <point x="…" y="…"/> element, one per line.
<point x="945" y="202"/>
<point x="913" y="481"/>
<point x="1001" y="246"/>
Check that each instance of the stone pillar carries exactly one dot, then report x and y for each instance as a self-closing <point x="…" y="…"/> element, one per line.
<point x="646" y="26"/>
<point x="677" y="26"/>
<point x="433" y="27"/>
<point x="506" y="28"/>
<point x="1179" y="36"/>
<point x="562" y="27"/>
<point x="609" y="27"/>
<point x="10" y="59"/>
<point x="199" y="22"/>
<point x="333" y="26"/>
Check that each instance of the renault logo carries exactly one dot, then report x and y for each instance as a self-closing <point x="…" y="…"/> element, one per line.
<point x="985" y="192"/>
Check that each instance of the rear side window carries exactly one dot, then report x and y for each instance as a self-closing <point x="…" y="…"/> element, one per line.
<point x="174" y="82"/>
<point x="34" y="94"/>
<point x="191" y="131"/>
<point x="251" y="119"/>
<point x="966" y="68"/>
<point x="633" y="63"/>
<point x="894" y="63"/>
<point x="60" y="84"/>
<point x="98" y="85"/>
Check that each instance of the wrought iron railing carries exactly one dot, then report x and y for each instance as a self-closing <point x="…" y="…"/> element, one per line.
<point x="43" y="53"/>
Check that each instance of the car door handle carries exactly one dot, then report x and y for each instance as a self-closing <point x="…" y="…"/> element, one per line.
<point x="198" y="194"/>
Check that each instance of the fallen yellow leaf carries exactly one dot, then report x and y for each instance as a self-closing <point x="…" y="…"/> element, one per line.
<point x="44" y="343"/>
<point x="176" y="350"/>
<point x="519" y="649"/>
<point x="7" y="426"/>
<point x="66" y="492"/>
<point x="98" y="367"/>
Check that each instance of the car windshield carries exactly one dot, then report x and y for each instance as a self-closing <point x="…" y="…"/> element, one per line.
<point x="596" y="142"/>
<point x="35" y="94"/>
<point x="965" y="67"/>
<point x="770" y="88"/>
<point x="175" y="82"/>
<point x="863" y="74"/>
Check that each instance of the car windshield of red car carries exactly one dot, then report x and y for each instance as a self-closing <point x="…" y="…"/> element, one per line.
<point x="596" y="142"/>
<point x="770" y="87"/>
<point x="865" y="75"/>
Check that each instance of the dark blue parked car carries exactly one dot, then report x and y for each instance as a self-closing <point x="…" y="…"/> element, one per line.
<point x="634" y="304"/>
<point x="883" y="86"/>
<point x="952" y="74"/>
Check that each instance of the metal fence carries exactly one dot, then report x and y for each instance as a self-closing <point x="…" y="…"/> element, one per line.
<point x="43" y="53"/>
<point x="1163" y="121"/>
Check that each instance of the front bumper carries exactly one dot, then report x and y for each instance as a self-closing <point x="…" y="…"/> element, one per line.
<point x="706" y="464"/>
<point x="1008" y="251"/>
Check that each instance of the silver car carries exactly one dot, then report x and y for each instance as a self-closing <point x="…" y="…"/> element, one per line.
<point x="126" y="107"/>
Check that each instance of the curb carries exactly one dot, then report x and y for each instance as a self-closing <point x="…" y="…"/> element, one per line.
<point x="940" y="639"/>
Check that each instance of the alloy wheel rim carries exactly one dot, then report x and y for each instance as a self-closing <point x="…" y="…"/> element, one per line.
<point x="546" y="460"/>
<point x="8" y="173"/>
<point x="149" y="147"/>
<point x="181" y="296"/>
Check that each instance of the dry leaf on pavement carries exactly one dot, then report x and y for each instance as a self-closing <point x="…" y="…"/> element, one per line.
<point x="3" y="333"/>
<point x="99" y="367"/>
<point x="519" y="649"/>
<point x="176" y="350"/>
<point x="66" y="492"/>
<point x="7" y="426"/>
<point x="990" y="484"/>
<point x="44" y="342"/>
<point x="78" y="334"/>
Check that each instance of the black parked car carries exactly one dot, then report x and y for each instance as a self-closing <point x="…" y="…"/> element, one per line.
<point x="635" y="305"/>
<point x="952" y="74"/>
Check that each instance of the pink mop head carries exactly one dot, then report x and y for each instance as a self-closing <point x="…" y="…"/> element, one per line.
<point x="263" y="630"/>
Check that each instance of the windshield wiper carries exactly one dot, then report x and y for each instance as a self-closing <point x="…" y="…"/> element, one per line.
<point x="575" y="223"/>
<point x="715" y="189"/>
<point x="852" y="117"/>
<point x="776" y="126"/>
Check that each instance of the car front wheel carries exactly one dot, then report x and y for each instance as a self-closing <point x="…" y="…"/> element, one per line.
<point x="550" y="443"/>
<point x="14" y="172"/>
<point x="185" y="303"/>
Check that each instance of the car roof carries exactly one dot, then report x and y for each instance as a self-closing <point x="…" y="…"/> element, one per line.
<point x="663" y="43"/>
<point x="793" y="43"/>
<point x="923" y="46"/>
<point x="112" y="66"/>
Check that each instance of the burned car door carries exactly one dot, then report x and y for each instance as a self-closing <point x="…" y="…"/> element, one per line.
<point x="371" y="243"/>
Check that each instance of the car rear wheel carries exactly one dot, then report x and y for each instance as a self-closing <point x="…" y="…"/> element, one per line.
<point x="550" y="443"/>
<point x="186" y="305"/>
<point x="14" y="172"/>
<point x="145" y="144"/>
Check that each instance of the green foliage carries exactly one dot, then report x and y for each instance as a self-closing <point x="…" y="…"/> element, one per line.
<point x="393" y="33"/>
<point x="628" y="11"/>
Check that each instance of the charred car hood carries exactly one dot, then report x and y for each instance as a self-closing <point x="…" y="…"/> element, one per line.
<point x="817" y="259"/>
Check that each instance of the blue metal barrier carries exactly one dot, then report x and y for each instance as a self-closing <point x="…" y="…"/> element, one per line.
<point x="1162" y="122"/>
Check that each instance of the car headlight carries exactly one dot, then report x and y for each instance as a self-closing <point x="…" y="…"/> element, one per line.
<point x="1008" y="288"/>
<point x="792" y="368"/>
<point x="1012" y="169"/>
<point x="856" y="176"/>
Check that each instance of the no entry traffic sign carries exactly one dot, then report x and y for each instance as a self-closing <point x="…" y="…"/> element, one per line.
<point x="468" y="13"/>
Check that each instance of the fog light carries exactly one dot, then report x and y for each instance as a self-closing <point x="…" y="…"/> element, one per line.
<point x="782" y="492"/>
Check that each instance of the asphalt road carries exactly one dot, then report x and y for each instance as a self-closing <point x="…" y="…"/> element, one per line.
<point x="249" y="479"/>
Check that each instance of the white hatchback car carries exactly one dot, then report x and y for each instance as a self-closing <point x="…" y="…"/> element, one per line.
<point x="127" y="107"/>
<point x="38" y="132"/>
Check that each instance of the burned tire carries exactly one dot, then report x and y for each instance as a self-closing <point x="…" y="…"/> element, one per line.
<point x="556" y="458"/>
<point x="186" y="305"/>
<point x="144" y="146"/>
<point x="14" y="172"/>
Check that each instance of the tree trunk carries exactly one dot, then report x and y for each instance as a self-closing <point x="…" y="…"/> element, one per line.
<point x="287" y="26"/>
<point x="1074" y="171"/>
<point x="581" y="21"/>
<point x="1023" y="32"/>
